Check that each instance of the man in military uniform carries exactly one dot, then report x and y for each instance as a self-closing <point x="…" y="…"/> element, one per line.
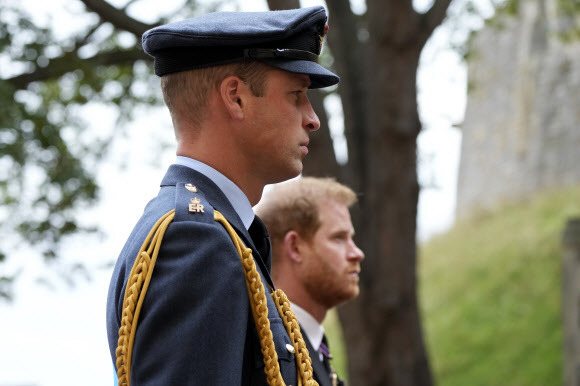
<point x="235" y="84"/>
<point x="314" y="258"/>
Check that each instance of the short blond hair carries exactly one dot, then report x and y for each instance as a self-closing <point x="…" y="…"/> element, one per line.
<point x="185" y="92"/>
<point x="293" y="205"/>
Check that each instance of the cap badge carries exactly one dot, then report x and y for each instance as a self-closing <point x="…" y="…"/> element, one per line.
<point x="191" y="188"/>
<point x="195" y="206"/>
<point x="326" y="27"/>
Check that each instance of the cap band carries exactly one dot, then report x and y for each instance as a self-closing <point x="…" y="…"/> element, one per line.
<point x="286" y="53"/>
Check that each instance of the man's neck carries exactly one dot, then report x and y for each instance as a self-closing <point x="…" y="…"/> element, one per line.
<point x="234" y="194"/>
<point x="313" y="329"/>
<point x="230" y="168"/>
<point x="299" y="296"/>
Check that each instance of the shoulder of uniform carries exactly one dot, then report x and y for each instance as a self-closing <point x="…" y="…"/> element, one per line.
<point x="191" y="204"/>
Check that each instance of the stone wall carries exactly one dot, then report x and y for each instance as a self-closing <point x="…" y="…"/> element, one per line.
<point x="521" y="132"/>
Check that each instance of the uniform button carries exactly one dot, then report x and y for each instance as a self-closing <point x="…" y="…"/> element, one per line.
<point x="290" y="348"/>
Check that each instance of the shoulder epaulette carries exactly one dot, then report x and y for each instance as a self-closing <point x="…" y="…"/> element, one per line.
<point x="191" y="204"/>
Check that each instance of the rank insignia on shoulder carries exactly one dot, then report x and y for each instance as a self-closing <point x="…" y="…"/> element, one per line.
<point x="195" y="206"/>
<point x="191" y="188"/>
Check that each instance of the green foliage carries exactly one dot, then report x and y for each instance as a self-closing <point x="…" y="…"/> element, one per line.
<point x="490" y="295"/>
<point x="6" y="288"/>
<point x="48" y="156"/>
<point x="510" y="8"/>
<point x="466" y="17"/>
<point x="569" y="13"/>
<point x="48" y="159"/>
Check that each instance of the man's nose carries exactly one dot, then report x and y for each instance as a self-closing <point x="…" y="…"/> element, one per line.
<point x="310" y="120"/>
<point x="355" y="253"/>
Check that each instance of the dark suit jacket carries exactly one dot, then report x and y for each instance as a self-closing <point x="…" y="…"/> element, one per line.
<point x="321" y="375"/>
<point x="195" y="326"/>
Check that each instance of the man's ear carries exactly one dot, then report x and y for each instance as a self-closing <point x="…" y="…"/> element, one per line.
<point x="233" y="92"/>
<point x="293" y="246"/>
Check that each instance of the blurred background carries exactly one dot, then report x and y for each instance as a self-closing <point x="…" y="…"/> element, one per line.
<point x="456" y="121"/>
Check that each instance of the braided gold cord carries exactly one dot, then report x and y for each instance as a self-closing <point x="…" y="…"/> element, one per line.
<point x="140" y="277"/>
<point x="303" y="361"/>
<point x="135" y="290"/>
<point x="257" y="296"/>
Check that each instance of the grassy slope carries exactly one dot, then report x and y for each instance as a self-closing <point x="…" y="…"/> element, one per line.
<point x="490" y="295"/>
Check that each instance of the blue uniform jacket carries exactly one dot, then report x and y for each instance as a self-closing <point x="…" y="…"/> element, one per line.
<point x="195" y="326"/>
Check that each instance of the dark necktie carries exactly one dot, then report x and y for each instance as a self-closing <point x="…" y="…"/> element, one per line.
<point x="261" y="240"/>
<point x="323" y="349"/>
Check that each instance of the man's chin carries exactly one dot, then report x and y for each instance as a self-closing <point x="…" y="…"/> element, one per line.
<point x="291" y="173"/>
<point x="353" y="293"/>
<point x="347" y="296"/>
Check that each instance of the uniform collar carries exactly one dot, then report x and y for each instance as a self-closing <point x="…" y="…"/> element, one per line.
<point x="310" y="326"/>
<point x="233" y="193"/>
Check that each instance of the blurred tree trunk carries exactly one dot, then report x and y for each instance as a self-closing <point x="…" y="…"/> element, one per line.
<point x="377" y="55"/>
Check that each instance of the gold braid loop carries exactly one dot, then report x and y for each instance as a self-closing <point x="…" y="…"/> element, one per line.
<point x="259" y="306"/>
<point x="140" y="277"/>
<point x="303" y="361"/>
<point x="135" y="290"/>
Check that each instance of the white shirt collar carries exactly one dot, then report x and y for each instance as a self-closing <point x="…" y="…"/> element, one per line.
<point x="310" y="326"/>
<point x="233" y="193"/>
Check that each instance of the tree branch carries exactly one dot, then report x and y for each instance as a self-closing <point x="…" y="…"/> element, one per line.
<point x="70" y="62"/>
<point x="283" y="4"/>
<point x="434" y="17"/>
<point x="394" y="10"/>
<point x="117" y="17"/>
<point x="82" y="41"/>
<point x="129" y="3"/>
<point x="350" y="61"/>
